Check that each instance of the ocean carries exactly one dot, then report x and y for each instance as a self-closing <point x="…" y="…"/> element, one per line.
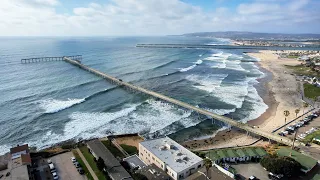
<point x="49" y="102"/>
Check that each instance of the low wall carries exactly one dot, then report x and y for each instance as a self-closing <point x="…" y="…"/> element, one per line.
<point x="224" y="171"/>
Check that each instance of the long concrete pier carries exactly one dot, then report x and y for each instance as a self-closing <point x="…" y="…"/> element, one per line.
<point x="227" y="120"/>
<point x="201" y="46"/>
<point x="46" y="59"/>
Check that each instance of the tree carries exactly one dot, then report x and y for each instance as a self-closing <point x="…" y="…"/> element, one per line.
<point x="207" y="164"/>
<point x="100" y="164"/>
<point x="281" y="165"/>
<point x="297" y="112"/>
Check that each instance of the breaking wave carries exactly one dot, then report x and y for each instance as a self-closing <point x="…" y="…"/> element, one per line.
<point x="54" y="105"/>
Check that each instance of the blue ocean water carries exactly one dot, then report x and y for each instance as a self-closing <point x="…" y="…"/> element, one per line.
<point x="49" y="102"/>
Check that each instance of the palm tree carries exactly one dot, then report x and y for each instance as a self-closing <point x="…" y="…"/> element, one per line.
<point x="286" y="114"/>
<point x="297" y="112"/>
<point x="207" y="164"/>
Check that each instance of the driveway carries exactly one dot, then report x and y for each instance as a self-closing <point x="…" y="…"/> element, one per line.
<point x="65" y="168"/>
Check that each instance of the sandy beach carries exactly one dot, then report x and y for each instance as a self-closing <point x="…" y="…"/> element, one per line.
<point x="281" y="93"/>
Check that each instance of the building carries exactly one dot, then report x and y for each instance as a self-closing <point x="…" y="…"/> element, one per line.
<point x="134" y="162"/>
<point x="177" y="161"/>
<point x="306" y="162"/>
<point x="236" y="154"/>
<point x="152" y="172"/>
<point x="20" y="162"/>
<point x="113" y="166"/>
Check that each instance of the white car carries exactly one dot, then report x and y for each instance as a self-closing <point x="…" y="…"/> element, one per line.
<point x="49" y="161"/>
<point x="55" y="175"/>
<point x="73" y="159"/>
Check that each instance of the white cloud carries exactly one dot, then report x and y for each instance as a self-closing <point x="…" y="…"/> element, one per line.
<point x="150" y="17"/>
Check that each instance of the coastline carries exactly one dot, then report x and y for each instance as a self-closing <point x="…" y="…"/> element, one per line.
<point x="276" y="86"/>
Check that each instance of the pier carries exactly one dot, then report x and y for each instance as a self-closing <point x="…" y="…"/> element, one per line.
<point x="200" y="46"/>
<point x="46" y="59"/>
<point x="231" y="122"/>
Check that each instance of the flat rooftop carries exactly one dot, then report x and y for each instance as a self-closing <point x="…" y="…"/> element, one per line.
<point x="173" y="154"/>
<point x="152" y="172"/>
<point x="134" y="161"/>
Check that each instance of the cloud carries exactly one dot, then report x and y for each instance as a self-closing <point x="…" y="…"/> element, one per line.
<point x="152" y="17"/>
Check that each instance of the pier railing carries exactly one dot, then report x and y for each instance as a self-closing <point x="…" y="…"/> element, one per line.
<point x="46" y="59"/>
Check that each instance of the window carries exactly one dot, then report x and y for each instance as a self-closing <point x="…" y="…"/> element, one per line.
<point x="153" y="158"/>
<point x="162" y="165"/>
<point x="199" y="166"/>
<point x="141" y="154"/>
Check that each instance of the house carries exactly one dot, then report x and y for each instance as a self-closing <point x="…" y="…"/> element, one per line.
<point x="113" y="166"/>
<point x="177" y="161"/>
<point x="306" y="162"/>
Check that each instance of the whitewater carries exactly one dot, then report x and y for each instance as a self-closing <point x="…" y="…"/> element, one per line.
<point x="46" y="103"/>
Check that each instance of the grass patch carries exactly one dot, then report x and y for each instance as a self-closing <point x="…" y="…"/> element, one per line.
<point x="115" y="151"/>
<point x="84" y="167"/>
<point x="311" y="91"/>
<point x="92" y="163"/>
<point x="129" y="149"/>
<point x="310" y="137"/>
<point x="303" y="70"/>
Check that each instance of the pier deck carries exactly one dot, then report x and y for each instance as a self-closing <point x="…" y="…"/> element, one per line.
<point x="227" y="120"/>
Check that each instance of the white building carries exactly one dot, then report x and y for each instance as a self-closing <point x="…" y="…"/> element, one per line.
<point x="177" y="161"/>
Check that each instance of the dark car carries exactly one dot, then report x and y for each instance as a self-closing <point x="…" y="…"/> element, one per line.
<point x="80" y="170"/>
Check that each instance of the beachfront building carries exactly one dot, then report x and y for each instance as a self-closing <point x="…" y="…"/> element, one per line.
<point x="177" y="161"/>
<point x="236" y="154"/>
<point x="306" y="162"/>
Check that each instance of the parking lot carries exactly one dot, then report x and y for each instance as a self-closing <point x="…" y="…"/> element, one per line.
<point x="65" y="168"/>
<point x="304" y="128"/>
<point x="251" y="169"/>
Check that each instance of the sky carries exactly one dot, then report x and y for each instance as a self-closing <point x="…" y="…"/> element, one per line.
<point x="155" y="17"/>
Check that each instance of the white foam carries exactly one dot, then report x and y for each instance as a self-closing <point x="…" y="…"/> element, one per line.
<point x="4" y="149"/>
<point x="82" y="125"/>
<point x="198" y="62"/>
<point x="187" y="68"/>
<point x="207" y="83"/>
<point x="54" y="105"/>
<point x="200" y="55"/>
<point x="258" y="105"/>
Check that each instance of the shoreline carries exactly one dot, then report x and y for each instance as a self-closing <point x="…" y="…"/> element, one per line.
<point x="276" y="86"/>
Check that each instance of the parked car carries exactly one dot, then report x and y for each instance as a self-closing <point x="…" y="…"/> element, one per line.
<point x="73" y="159"/>
<point x="281" y="134"/>
<point x="55" y="175"/>
<point x="80" y="170"/>
<point x="49" y="161"/>
<point x="77" y="164"/>
<point x="253" y="178"/>
<point x="275" y="176"/>
<point x="52" y="168"/>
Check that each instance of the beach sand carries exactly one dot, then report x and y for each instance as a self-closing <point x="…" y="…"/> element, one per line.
<point x="281" y="93"/>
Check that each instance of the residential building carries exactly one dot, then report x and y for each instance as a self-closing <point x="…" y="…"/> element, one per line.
<point x="113" y="166"/>
<point x="177" y="161"/>
<point x="236" y="154"/>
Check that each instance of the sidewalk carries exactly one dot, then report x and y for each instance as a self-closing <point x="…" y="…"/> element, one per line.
<point x="87" y="164"/>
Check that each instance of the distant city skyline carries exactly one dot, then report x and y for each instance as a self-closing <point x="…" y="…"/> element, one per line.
<point x="155" y="17"/>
